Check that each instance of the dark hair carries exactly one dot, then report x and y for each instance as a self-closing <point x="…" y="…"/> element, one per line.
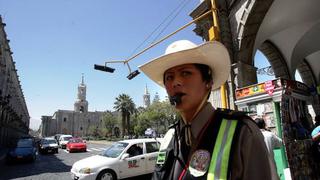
<point x="205" y="72"/>
<point x="260" y="122"/>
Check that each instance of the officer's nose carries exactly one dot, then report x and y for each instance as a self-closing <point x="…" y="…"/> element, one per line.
<point x="177" y="82"/>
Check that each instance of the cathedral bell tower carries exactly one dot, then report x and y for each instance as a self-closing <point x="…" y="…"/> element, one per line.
<point x="146" y="98"/>
<point x="81" y="104"/>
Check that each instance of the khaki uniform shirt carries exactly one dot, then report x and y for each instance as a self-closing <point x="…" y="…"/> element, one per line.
<point x="249" y="158"/>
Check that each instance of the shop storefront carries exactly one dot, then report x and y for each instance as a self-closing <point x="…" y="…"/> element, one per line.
<point x="283" y="105"/>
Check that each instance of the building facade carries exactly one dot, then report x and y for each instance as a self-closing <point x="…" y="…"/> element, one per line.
<point x="146" y="98"/>
<point x="14" y="115"/>
<point x="77" y="122"/>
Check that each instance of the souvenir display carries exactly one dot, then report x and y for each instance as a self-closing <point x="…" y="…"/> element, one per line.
<point x="283" y="105"/>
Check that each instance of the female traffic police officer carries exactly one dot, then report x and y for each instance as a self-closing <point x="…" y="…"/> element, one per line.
<point x="206" y="143"/>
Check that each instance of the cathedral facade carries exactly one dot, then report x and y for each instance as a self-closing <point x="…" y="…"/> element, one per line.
<point x="77" y="122"/>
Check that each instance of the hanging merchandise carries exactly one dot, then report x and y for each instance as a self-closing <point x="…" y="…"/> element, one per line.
<point x="283" y="105"/>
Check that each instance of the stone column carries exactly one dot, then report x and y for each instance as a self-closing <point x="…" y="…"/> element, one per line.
<point x="245" y="74"/>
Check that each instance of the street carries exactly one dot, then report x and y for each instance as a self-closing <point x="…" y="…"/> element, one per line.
<point x="49" y="166"/>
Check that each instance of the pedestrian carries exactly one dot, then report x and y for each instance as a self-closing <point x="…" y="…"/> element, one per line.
<point x="315" y="134"/>
<point x="205" y="143"/>
<point x="272" y="141"/>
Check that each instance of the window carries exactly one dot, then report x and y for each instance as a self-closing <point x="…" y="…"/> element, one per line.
<point x="135" y="150"/>
<point x="81" y="128"/>
<point x="81" y="109"/>
<point x="152" y="147"/>
<point x="64" y="119"/>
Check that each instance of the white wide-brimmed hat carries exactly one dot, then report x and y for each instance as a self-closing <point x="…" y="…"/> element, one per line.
<point x="212" y="53"/>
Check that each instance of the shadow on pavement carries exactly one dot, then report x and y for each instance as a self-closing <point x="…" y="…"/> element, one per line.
<point x="43" y="164"/>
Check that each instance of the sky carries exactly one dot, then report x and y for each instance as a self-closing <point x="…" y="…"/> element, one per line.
<point x="54" y="42"/>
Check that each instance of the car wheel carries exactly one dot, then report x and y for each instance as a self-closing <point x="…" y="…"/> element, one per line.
<point x="107" y="175"/>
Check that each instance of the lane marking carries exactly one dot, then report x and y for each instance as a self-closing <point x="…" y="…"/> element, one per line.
<point x="95" y="149"/>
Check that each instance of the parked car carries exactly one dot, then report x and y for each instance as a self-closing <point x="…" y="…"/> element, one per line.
<point x="63" y="140"/>
<point x="23" y="149"/>
<point x="127" y="158"/>
<point x="48" y="145"/>
<point x="76" y="144"/>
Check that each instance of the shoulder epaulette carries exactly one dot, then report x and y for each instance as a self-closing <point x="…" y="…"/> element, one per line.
<point x="231" y="114"/>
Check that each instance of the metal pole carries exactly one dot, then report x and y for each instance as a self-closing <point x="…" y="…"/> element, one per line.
<point x="214" y="35"/>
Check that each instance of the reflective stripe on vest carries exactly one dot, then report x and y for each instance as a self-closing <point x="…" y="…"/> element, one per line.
<point x="220" y="157"/>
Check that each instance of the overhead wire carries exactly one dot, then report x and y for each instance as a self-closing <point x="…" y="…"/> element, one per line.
<point x="181" y="6"/>
<point x="155" y="39"/>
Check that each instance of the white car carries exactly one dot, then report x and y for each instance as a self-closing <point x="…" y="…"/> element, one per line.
<point x="127" y="158"/>
<point x="47" y="145"/>
<point x="63" y="140"/>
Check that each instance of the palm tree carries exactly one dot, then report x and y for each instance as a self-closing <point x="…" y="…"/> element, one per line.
<point x="126" y="106"/>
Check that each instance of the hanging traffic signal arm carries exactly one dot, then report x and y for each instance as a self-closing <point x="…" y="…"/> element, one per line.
<point x="126" y="62"/>
<point x="111" y="70"/>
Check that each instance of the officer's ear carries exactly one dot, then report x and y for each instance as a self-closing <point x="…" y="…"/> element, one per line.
<point x="209" y="85"/>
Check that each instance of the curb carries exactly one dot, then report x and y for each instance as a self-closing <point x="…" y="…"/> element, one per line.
<point x="101" y="142"/>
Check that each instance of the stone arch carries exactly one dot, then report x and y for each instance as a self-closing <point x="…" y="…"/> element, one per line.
<point x="245" y="19"/>
<point x="248" y="23"/>
<point x="275" y="59"/>
<point x="306" y="74"/>
<point x="309" y="79"/>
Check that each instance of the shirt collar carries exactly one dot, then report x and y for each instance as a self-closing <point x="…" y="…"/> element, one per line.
<point x="201" y="119"/>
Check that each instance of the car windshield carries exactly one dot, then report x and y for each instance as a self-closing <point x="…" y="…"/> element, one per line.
<point x="24" y="143"/>
<point x="115" y="150"/>
<point x="49" y="141"/>
<point x="75" y="140"/>
<point x="66" y="138"/>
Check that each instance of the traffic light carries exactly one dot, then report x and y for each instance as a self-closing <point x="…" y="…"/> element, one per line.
<point x="103" y="68"/>
<point x="133" y="74"/>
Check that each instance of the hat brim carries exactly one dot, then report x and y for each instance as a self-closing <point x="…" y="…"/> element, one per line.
<point x="211" y="53"/>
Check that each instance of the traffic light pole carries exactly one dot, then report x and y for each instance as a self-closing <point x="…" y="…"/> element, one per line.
<point x="214" y="35"/>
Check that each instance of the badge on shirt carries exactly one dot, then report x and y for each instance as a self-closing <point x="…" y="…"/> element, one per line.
<point x="199" y="163"/>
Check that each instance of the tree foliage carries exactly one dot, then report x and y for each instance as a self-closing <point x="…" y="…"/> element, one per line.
<point x="134" y="121"/>
<point x="158" y="116"/>
<point x="95" y="131"/>
<point x="109" y="123"/>
<point x="126" y="106"/>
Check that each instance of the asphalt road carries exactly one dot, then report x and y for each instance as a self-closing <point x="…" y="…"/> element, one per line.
<point x="50" y="166"/>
